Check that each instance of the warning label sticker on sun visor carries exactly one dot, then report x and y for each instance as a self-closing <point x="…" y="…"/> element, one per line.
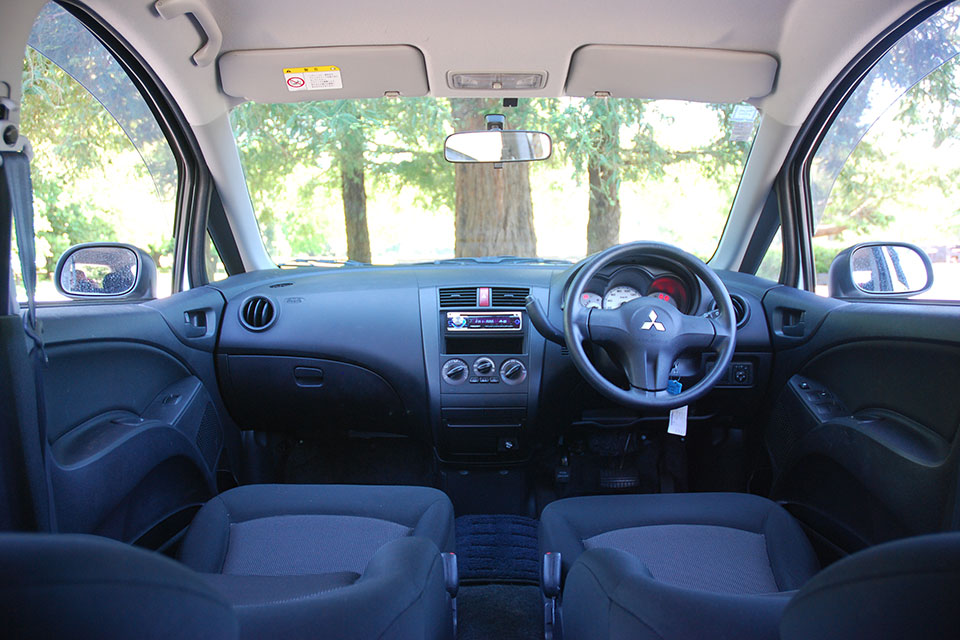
<point x="312" y="78"/>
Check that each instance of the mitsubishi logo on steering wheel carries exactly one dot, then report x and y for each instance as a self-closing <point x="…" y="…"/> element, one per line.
<point x="653" y="324"/>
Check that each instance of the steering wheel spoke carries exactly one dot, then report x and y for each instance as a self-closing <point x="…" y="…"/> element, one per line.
<point x="607" y="326"/>
<point x="696" y="332"/>
<point x="649" y="370"/>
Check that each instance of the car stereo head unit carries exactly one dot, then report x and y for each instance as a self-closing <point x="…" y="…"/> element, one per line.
<point x="484" y="321"/>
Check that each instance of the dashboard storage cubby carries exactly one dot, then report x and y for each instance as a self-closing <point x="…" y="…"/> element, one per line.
<point x="283" y="393"/>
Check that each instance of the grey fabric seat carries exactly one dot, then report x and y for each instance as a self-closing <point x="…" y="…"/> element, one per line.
<point x="331" y="561"/>
<point x="81" y="586"/>
<point x="716" y="565"/>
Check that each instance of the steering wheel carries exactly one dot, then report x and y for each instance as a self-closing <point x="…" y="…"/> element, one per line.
<point x="648" y="335"/>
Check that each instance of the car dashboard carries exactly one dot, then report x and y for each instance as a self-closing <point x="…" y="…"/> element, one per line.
<point x="446" y="353"/>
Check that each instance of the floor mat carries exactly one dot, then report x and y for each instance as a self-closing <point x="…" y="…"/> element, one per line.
<point x="497" y="548"/>
<point x="504" y="612"/>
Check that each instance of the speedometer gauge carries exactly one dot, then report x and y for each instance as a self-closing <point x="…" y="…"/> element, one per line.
<point x="619" y="295"/>
<point x="591" y="300"/>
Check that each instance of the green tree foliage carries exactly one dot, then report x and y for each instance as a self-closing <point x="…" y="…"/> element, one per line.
<point x="862" y="149"/>
<point x="55" y="111"/>
<point x="343" y="142"/>
<point x="615" y="140"/>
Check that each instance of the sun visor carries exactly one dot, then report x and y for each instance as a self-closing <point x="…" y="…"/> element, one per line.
<point x="323" y="73"/>
<point x="671" y="73"/>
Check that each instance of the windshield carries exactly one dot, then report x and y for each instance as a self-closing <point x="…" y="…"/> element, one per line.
<point x="366" y="180"/>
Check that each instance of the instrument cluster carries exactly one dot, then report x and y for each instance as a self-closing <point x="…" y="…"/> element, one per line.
<point x="611" y="290"/>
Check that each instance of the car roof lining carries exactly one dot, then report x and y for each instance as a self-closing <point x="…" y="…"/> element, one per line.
<point x="538" y="35"/>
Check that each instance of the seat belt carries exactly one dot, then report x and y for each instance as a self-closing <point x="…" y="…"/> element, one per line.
<point x="15" y="154"/>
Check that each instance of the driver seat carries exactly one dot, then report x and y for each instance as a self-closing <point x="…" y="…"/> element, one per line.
<point x="663" y="566"/>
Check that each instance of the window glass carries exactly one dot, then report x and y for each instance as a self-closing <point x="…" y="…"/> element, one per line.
<point x="102" y="168"/>
<point x="215" y="269"/>
<point x="889" y="166"/>
<point x="366" y="180"/>
<point x="770" y="266"/>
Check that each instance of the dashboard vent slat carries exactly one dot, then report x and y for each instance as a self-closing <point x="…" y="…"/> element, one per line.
<point x="458" y="297"/>
<point x="258" y="313"/>
<point x="509" y="296"/>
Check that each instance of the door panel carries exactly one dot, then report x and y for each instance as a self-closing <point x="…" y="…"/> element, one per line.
<point x="862" y="435"/>
<point x="135" y="423"/>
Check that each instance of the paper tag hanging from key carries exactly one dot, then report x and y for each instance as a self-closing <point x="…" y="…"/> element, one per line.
<point x="678" y="417"/>
<point x="678" y="421"/>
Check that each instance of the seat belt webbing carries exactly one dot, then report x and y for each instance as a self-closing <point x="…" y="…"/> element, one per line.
<point x="15" y="166"/>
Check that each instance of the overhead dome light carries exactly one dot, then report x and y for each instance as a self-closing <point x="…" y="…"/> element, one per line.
<point x="497" y="81"/>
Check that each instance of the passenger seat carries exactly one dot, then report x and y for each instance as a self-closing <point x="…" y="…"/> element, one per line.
<point x="285" y="561"/>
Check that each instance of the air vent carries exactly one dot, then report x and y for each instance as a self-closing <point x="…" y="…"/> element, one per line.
<point x="258" y="313"/>
<point x="740" y="309"/>
<point x="458" y="297"/>
<point x="509" y="296"/>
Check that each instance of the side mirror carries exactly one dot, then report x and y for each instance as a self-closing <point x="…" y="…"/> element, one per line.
<point x="873" y="269"/>
<point x="495" y="145"/>
<point x="106" y="270"/>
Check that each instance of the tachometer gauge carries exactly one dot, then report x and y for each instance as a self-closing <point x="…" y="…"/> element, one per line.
<point x="618" y="295"/>
<point x="673" y="288"/>
<point x="591" y="300"/>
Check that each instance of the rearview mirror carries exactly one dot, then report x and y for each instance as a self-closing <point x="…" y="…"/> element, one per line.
<point x="106" y="270"/>
<point x="495" y="145"/>
<point x="880" y="269"/>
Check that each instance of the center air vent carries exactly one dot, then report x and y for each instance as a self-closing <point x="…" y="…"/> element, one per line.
<point x="509" y="296"/>
<point x="458" y="297"/>
<point x="740" y="309"/>
<point x="258" y="313"/>
<point x="468" y="297"/>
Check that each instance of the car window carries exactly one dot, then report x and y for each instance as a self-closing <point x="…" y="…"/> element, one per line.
<point x="102" y="168"/>
<point x="366" y="180"/>
<point x="770" y="265"/>
<point x="214" y="265"/>
<point x="888" y="167"/>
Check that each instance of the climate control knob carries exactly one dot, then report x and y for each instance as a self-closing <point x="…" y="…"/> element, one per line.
<point x="484" y="366"/>
<point x="455" y="371"/>
<point x="513" y="371"/>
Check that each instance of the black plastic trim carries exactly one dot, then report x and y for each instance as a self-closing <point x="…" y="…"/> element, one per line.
<point x="222" y="235"/>
<point x="763" y="235"/>
<point x="787" y="194"/>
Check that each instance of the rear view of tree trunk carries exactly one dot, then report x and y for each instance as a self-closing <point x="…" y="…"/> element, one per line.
<point x="603" y="225"/>
<point x="354" y="195"/>
<point x="494" y="209"/>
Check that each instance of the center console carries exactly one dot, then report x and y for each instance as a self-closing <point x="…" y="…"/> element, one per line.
<point x="485" y="361"/>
